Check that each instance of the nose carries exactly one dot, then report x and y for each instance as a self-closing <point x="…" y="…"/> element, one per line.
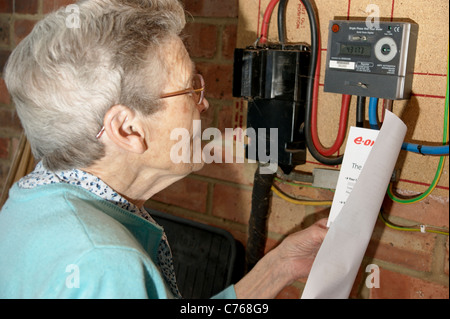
<point x="203" y="107"/>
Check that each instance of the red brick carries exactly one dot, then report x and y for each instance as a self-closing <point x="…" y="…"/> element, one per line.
<point x="4" y="54"/>
<point x="22" y="28"/>
<point x="430" y="211"/>
<point x="187" y="193"/>
<point x="207" y="117"/>
<point x="4" y="147"/>
<point x="232" y="203"/>
<point x="285" y="217"/>
<point x="399" y="286"/>
<point x="409" y="249"/>
<point x="218" y="79"/>
<point x="4" y="31"/>
<point x="359" y="282"/>
<point x="229" y="39"/>
<point x="212" y="8"/>
<point x="26" y="6"/>
<point x="4" y="94"/>
<point x="201" y="40"/>
<point x="52" y="5"/>
<point x="6" y="6"/>
<point x="225" y="118"/>
<point x="9" y="120"/>
<point x="237" y="172"/>
<point x="446" y="258"/>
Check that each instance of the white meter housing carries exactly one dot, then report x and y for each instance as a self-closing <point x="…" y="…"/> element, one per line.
<point x="372" y="61"/>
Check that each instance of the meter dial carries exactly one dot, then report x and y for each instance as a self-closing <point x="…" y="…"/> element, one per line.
<point x="386" y="49"/>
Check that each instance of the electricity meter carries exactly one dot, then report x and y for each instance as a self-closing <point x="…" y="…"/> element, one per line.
<point x="372" y="60"/>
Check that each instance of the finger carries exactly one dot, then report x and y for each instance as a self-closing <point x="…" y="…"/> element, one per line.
<point x="322" y="223"/>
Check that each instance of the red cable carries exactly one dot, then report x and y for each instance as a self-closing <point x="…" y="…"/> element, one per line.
<point x="266" y="20"/>
<point x="343" y="119"/>
<point x="345" y="98"/>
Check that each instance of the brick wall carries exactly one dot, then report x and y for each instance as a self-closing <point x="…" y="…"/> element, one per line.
<point x="412" y="265"/>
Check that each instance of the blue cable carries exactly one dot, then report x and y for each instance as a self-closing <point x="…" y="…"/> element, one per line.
<point x="409" y="147"/>
<point x="426" y="150"/>
<point x="373" y="105"/>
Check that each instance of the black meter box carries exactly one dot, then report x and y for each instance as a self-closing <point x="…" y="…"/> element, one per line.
<point x="371" y="59"/>
<point x="270" y="72"/>
<point x="273" y="79"/>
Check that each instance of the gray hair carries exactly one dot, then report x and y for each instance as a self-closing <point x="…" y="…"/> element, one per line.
<point x="63" y="80"/>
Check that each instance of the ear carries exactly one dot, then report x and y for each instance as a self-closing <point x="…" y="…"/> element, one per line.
<point x="124" y="128"/>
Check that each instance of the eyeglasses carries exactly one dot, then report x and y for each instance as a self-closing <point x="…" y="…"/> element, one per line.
<point x="197" y="91"/>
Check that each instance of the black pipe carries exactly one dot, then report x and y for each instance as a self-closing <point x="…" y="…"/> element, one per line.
<point x="262" y="186"/>
<point x="257" y="225"/>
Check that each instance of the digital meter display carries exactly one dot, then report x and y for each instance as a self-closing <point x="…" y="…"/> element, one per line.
<point x="355" y="49"/>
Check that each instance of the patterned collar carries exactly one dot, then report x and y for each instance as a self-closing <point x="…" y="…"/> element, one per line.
<point x="42" y="176"/>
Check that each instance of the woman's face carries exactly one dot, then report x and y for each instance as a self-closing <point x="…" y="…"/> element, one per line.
<point x="177" y="115"/>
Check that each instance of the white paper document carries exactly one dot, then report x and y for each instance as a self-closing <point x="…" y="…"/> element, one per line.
<point x="359" y="144"/>
<point x="339" y="258"/>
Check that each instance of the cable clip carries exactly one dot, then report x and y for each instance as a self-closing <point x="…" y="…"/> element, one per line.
<point x="419" y="148"/>
<point x="423" y="229"/>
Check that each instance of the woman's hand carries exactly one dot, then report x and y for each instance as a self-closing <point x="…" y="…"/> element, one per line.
<point x="291" y="260"/>
<point x="299" y="250"/>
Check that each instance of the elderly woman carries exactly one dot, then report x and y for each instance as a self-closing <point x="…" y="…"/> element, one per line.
<point x="98" y="102"/>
